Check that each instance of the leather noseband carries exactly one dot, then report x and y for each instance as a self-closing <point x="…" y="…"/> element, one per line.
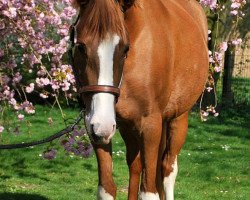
<point x="99" y="89"/>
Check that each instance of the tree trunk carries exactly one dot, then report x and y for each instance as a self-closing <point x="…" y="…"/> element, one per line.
<point x="227" y="93"/>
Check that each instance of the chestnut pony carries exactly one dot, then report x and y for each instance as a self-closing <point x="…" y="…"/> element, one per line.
<point x="153" y="55"/>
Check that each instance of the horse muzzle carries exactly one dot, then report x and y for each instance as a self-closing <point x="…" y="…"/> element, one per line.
<point x="101" y="133"/>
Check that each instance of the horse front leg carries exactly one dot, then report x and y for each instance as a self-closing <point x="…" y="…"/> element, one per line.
<point x="151" y="130"/>
<point x="106" y="186"/>
<point x="131" y="139"/>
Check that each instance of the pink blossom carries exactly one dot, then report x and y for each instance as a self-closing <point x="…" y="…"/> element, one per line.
<point x="6" y="91"/>
<point x="237" y="41"/>
<point x="44" y="96"/>
<point x="12" y="102"/>
<point x="217" y="69"/>
<point x="17" y="77"/>
<point x="212" y="4"/>
<point x="42" y="71"/>
<point x="204" y="115"/>
<point x="65" y="86"/>
<point x="235" y="5"/>
<point x="4" y="2"/>
<point x="30" y="110"/>
<point x="11" y="12"/>
<point x="68" y="13"/>
<point x="63" y="31"/>
<point x="28" y="107"/>
<point x="209" y="89"/>
<point x="55" y="85"/>
<point x="1" y="52"/>
<point x="223" y="46"/>
<point x="218" y="56"/>
<point x="234" y="12"/>
<point x="1" y="129"/>
<point x="20" y="117"/>
<point x="41" y="82"/>
<point x="30" y="88"/>
<point x="17" y="107"/>
<point x="216" y="114"/>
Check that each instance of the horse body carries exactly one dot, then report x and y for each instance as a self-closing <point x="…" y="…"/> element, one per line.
<point x="163" y="76"/>
<point x="165" y="61"/>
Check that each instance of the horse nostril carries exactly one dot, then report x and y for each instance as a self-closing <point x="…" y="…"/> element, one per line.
<point x="114" y="127"/>
<point x="95" y="137"/>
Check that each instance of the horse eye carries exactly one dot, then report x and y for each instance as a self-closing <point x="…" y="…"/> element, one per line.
<point x="126" y="49"/>
<point x="82" y="48"/>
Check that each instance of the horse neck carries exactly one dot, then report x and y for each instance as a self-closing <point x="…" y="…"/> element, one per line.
<point x="141" y="13"/>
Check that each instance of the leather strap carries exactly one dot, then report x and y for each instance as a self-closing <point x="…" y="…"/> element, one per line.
<point x="100" y="89"/>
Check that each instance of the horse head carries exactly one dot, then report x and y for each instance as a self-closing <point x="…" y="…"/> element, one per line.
<point x="99" y="54"/>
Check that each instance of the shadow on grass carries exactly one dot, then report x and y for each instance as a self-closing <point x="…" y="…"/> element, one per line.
<point x="242" y="134"/>
<point x="21" y="196"/>
<point x="232" y="121"/>
<point x="89" y="167"/>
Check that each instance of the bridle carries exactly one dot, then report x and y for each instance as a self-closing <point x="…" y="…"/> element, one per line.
<point x="88" y="89"/>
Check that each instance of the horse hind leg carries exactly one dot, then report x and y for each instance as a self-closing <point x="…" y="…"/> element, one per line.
<point x="176" y="135"/>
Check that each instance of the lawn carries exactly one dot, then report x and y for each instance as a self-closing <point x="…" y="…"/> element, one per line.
<point x="214" y="163"/>
<point x="241" y="90"/>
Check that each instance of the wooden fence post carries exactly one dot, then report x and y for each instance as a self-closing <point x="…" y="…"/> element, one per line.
<point x="227" y="93"/>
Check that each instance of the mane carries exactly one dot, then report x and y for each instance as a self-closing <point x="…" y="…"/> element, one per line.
<point x="101" y="17"/>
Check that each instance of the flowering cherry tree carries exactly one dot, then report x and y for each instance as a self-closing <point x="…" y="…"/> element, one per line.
<point x="226" y="16"/>
<point x="34" y="40"/>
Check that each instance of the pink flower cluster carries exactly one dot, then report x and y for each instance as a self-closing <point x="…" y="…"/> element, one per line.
<point x="34" y="38"/>
<point x="236" y="41"/>
<point x="212" y="4"/>
<point x="210" y="109"/>
<point x="216" y="58"/>
<point x="236" y="6"/>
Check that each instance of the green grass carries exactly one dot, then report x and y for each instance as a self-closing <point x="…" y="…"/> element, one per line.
<point x="214" y="163"/>
<point x="241" y="89"/>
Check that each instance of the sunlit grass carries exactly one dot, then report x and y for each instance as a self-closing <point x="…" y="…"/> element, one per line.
<point x="214" y="163"/>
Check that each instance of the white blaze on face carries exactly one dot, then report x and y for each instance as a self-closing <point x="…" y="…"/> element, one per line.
<point x="102" y="115"/>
